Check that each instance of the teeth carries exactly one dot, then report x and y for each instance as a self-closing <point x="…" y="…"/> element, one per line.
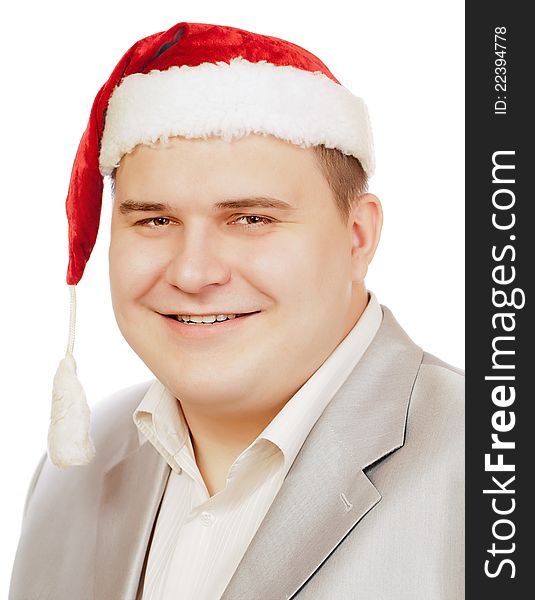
<point x="192" y="319"/>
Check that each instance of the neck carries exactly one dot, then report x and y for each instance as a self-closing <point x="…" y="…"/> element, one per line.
<point x="218" y="441"/>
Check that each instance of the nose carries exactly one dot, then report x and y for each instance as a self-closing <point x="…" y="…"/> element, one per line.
<point x="197" y="261"/>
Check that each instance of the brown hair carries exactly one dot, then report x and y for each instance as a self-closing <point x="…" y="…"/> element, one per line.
<point x="344" y="174"/>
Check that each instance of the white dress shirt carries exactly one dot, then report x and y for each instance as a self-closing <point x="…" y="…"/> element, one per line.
<point x="199" y="540"/>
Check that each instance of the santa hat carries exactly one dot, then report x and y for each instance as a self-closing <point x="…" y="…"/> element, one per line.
<point x="195" y="80"/>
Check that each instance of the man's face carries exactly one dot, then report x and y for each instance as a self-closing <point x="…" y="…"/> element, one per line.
<point x="247" y="227"/>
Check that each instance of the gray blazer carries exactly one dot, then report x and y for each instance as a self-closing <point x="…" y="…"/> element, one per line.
<point x="372" y="508"/>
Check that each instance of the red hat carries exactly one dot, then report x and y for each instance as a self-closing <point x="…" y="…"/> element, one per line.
<point x="194" y="80"/>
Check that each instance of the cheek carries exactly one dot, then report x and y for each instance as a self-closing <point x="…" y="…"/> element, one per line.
<point x="333" y="262"/>
<point x="301" y="272"/>
<point x="134" y="268"/>
<point x="272" y="267"/>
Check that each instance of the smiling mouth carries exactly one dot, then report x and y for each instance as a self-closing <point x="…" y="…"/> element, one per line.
<point x="208" y="319"/>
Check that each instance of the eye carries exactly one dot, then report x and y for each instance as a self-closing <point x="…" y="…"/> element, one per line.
<point x="155" y="221"/>
<point x="252" y="221"/>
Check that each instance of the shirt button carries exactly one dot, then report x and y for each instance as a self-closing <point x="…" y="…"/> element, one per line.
<point x="207" y="518"/>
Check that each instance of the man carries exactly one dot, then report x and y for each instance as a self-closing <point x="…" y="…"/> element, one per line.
<point x="294" y="442"/>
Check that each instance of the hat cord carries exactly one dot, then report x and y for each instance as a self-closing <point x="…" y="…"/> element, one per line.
<point x="72" y="320"/>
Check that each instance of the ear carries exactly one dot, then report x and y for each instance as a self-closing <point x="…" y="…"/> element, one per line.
<point x="365" y="223"/>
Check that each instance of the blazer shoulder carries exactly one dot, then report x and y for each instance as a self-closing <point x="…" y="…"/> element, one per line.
<point x="441" y="383"/>
<point x="62" y="505"/>
<point x="431" y="360"/>
<point x="438" y="401"/>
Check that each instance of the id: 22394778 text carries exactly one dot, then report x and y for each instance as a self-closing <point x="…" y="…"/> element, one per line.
<point x="500" y="70"/>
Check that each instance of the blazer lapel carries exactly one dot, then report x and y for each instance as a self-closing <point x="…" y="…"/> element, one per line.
<point x="131" y="496"/>
<point x="326" y="491"/>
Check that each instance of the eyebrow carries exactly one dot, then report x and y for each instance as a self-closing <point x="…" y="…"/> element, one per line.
<point x="129" y="206"/>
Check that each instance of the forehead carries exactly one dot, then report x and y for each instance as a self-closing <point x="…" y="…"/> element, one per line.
<point x="212" y="167"/>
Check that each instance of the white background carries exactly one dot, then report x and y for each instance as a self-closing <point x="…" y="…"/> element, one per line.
<point x="406" y="59"/>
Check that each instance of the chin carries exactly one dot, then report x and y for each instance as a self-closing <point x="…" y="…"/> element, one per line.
<point x="200" y="391"/>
